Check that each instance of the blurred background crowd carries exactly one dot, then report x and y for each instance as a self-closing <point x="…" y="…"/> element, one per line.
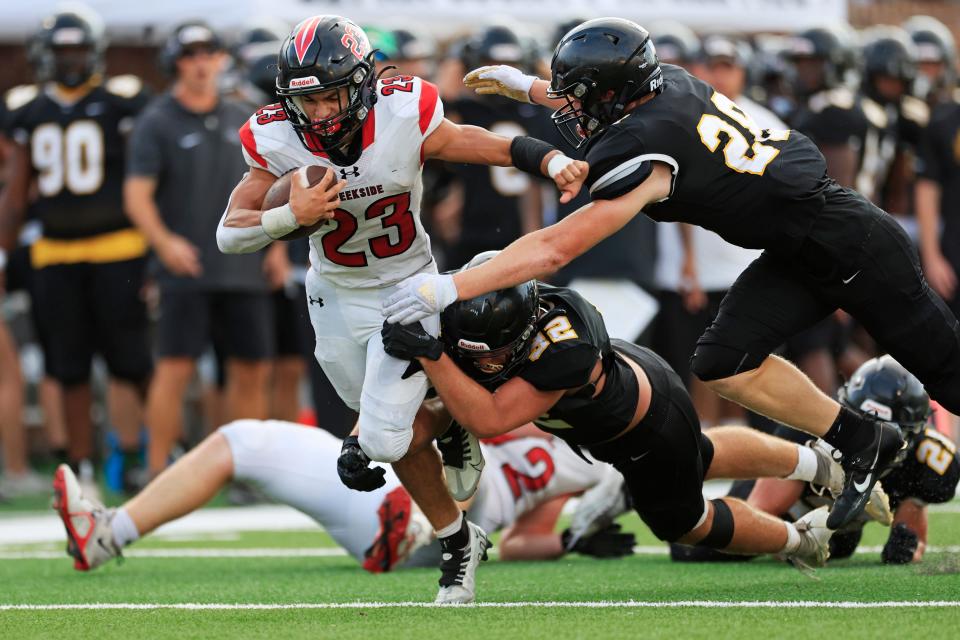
<point x="125" y="335"/>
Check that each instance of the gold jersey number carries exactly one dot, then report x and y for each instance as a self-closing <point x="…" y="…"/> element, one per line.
<point x="739" y="153"/>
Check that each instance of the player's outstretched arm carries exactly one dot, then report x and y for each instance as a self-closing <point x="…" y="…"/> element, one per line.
<point x="545" y="251"/>
<point x="504" y="80"/>
<point x="532" y="256"/>
<point x="482" y="413"/>
<point x="465" y="143"/>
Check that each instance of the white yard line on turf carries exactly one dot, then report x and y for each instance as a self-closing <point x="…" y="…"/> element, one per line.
<point x="626" y="604"/>
<point x="323" y="552"/>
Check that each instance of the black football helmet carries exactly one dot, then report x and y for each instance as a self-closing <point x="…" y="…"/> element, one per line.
<point x="489" y="336"/>
<point x="324" y="53"/>
<point x="70" y="47"/>
<point x="599" y="67"/>
<point x="883" y="387"/>
<point x="834" y="46"/>
<point x="935" y="44"/>
<point x="888" y="51"/>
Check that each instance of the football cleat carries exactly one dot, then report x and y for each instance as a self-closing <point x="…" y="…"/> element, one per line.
<point x="87" y="521"/>
<point x="878" y="506"/>
<point x="862" y="470"/>
<point x="403" y="530"/>
<point x="462" y="461"/>
<point x="814" y="548"/>
<point x="459" y="567"/>
<point x="599" y="507"/>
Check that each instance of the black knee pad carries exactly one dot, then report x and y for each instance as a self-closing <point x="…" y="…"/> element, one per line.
<point x="715" y="362"/>
<point x="721" y="533"/>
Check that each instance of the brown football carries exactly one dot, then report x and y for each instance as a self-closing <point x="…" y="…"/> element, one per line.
<point x="279" y="195"/>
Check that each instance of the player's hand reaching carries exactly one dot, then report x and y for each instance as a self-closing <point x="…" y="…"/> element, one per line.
<point x="410" y="341"/>
<point x="353" y="467"/>
<point x="606" y="543"/>
<point x="310" y="204"/>
<point x="500" y="80"/>
<point x="419" y="297"/>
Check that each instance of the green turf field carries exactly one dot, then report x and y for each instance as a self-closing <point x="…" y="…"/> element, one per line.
<point x="642" y="596"/>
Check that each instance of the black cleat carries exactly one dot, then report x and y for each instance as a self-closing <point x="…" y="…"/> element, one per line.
<point x="862" y="469"/>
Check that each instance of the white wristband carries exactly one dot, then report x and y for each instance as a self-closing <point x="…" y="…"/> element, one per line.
<point x="279" y="221"/>
<point x="557" y="164"/>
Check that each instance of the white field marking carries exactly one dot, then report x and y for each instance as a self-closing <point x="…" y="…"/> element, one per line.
<point x="625" y="604"/>
<point x="326" y="552"/>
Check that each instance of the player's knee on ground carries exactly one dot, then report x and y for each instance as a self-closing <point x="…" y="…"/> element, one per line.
<point x="715" y="362"/>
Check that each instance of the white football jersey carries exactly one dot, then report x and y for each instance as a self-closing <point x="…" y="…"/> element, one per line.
<point x="376" y="238"/>
<point x="523" y="473"/>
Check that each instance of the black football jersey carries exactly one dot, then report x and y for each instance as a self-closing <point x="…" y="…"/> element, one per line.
<point x="839" y="117"/>
<point x="756" y="188"/>
<point x="491" y="214"/>
<point x="571" y="338"/>
<point x="929" y="472"/>
<point x="77" y="152"/>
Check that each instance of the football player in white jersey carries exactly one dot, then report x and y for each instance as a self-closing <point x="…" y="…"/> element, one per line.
<point x="530" y="479"/>
<point x="373" y="135"/>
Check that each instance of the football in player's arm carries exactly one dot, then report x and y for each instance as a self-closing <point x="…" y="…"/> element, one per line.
<point x="450" y="142"/>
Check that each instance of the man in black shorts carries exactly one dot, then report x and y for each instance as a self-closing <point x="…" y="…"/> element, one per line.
<point x="660" y="141"/>
<point x="184" y="162"/>
<point x="539" y="353"/>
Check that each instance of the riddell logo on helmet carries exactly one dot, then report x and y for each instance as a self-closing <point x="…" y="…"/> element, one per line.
<point x="882" y="411"/>
<point x="472" y="346"/>
<point x="309" y="81"/>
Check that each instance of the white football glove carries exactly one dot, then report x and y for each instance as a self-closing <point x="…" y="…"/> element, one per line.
<point x="419" y="297"/>
<point x="500" y="80"/>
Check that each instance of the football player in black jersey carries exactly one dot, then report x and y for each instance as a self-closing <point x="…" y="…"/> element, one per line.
<point x="663" y="142"/>
<point x="539" y="353"/>
<point x="70" y="138"/>
<point x="936" y="60"/>
<point x="927" y="471"/>
<point x="490" y="207"/>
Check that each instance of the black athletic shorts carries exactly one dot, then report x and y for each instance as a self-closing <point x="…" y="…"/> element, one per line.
<point x="665" y="457"/>
<point x="294" y="333"/>
<point x="88" y="308"/>
<point x="876" y="278"/>
<point x="239" y="324"/>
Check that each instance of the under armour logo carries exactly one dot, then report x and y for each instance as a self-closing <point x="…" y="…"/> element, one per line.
<point x="355" y="173"/>
<point x="313" y="300"/>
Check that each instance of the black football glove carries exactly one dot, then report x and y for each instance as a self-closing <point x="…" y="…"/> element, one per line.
<point x="901" y="545"/>
<point x="354" y="469"/>
<point x="606" y="543"/>
<point x="409" y="341"/>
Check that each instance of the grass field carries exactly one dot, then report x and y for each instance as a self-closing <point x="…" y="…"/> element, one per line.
<point x="234" y="592"/>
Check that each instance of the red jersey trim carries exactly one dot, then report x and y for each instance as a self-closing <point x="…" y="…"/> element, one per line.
<point x="428" y="104"/>
<point x="250" y="144"/>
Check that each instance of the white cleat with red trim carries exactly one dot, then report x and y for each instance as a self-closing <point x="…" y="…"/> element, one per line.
<point x="87" y="521"/>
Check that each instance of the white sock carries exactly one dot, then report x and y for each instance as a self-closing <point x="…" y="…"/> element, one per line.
<point x="793" y="538"/>
<point x="451" y="528"/>
<point x="806" y="465"/>
<point x="124" y="530"/>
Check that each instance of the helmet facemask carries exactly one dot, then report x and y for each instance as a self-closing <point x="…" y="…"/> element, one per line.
<point x="492" y="367"/>
<point x="337" y="131"/>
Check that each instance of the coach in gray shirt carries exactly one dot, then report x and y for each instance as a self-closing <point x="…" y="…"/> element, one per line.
<point x="184" y="161"/>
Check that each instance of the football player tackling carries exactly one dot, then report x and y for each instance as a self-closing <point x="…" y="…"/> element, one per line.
<point x="374" y="135"/>
<point x="660" y="141"/>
